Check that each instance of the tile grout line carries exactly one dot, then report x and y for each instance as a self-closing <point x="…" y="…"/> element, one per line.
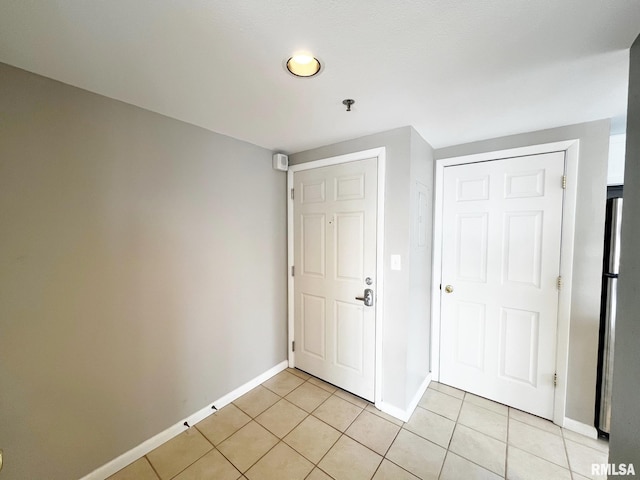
<point x="332" y="478"/>
<point x="446" y="454"/>
<point x="328" y="450"/>
<point x="262" y="426"/>
<point x="229" y="436"/>
<point x="453" y="396"/>
<point x="564" y="443"/>
<point x="205" y="437"/>
<point x="274" y="446"/>
<point x="394" y="438"/>
<point x="399" y="466"/>
<point x="488" y="409"/>
<point x="537" y="427"/>
<point x="431" y="441"/>
<point x="377" y="413"/>
<point x="281" y="440"/>
<point x="455" y="425"/>
<point x="566" y="452"/>
<point x="546" y="460"/>
<point x="383" y="456"/>
<point x="152" y="467"/>
<point x="388" y="448"/>
<point x="230" y="462"/>
<point x="465" y="458"/>
<point x="585" y="445"/>
<point x="197" y="459"/>
<point x="343" y="434"/>
<point x="471" y="461"/>
<point x="510" y="419"/>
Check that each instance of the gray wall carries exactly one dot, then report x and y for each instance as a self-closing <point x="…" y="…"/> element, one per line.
<point x="625" y="413"/>
<point x="128" y="244"/>
<point x="589" y="233"/>
<point x="420" y="255"/>
<point x="401" y="153"/>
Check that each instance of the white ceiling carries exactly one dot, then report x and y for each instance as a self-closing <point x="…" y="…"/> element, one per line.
<point x="457" y="70"/>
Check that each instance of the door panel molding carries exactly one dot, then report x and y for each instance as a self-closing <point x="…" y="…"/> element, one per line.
<point x="571" y="150"/>
<point x="380" y="154"/>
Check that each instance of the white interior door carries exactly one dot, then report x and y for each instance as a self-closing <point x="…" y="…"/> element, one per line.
<point x="334" y="255"/>
<point x="502" y="224"/>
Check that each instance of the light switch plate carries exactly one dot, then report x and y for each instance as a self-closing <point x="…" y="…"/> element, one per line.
<point x="396" y="262"/>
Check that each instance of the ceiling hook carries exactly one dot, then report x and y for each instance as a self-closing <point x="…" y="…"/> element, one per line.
<point x="348" y="102"/>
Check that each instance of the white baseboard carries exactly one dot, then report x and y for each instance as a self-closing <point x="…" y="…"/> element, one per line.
<point x="396" y="412"/>
<point x="145" y="447"/>
<point x="581" y="428"/>
<point x="250" y="385"/>
<point x="418" y="396"/>
<point x="401" y="414"/>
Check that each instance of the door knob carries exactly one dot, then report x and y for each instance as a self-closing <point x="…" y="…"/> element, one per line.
<point x="368" y="297"/>
<point x="448" y="289"/>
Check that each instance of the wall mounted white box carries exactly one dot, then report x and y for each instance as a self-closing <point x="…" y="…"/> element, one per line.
<point x="280" y="162"/>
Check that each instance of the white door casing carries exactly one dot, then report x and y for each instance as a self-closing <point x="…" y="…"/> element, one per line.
<point x="500" y="267"/>
<point x="334" y="228"/>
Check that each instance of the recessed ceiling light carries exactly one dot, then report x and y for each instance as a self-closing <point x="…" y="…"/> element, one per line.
<point x="303" y="65"/>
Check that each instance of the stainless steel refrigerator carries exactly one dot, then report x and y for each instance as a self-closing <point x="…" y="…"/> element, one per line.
<point x="611" y="268"/>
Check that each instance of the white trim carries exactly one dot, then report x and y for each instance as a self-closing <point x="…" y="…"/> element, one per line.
<point x="382" y="165"/>
<point x="145" y="447"/>
<point x="579" y="427"/>
<point x="509" y="153"/>
<point x="393" y="411"/>
<point x="381" y="154"/>
<point x="566" y="271"/>
<point x="349" y="157"/>
<point x="250" y="385"/>
<point x="290" y="283"/>
<point x="405" y="415"/>
<point x="571" y="149"/>
<point x="418" y="396"/>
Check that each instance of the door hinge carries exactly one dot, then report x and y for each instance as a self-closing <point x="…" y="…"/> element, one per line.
<point x="559" y="282"/>
<point x="292" y="194"/>
<point x="564" y="182"/>
<point x="293" y="270"/>
<point x="293" y="346"/>
<point x="555" y="379"/>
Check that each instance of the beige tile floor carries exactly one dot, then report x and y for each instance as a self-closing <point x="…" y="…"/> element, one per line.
<point x="297" y="427"/>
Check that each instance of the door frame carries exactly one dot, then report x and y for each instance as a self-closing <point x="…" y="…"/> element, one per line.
<point x="380" y="155"/>
<point x="571" y="150"/>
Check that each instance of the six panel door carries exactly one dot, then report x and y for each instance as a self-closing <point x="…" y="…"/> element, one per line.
<point x="501" y="261"/>
<point x="334" y="253"/>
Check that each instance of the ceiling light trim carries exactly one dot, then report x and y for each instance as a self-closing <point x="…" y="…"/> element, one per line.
<point x="303" y="65"/>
